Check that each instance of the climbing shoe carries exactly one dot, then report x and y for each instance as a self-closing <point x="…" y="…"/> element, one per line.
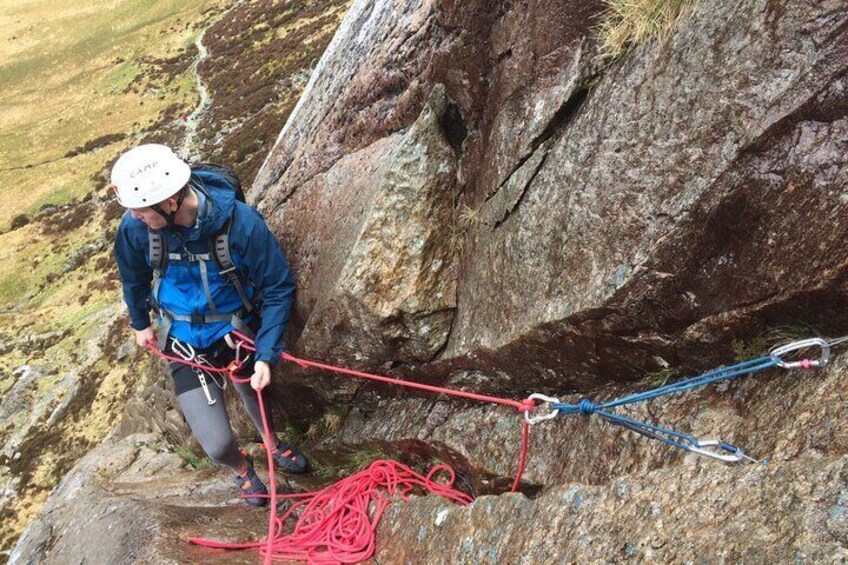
<point x="252" y="489"/>
<point x="289" y="459"/>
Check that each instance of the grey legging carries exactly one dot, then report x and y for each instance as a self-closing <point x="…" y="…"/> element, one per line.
<point x="211" y="424"/>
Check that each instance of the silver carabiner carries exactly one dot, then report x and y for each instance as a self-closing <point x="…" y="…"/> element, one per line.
<point x="782" y="350"/>
<point x="184" y="350"/>
<point x="732" y="454"/>
<point x="542" y="418"/>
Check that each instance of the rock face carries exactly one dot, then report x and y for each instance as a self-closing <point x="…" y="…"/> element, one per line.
<point x="395" y="292"/>
<point x="468" y="197"/>
<point x="607" y="221"/>
<point x="133" y="501"/>
<point x="696" y="516"/>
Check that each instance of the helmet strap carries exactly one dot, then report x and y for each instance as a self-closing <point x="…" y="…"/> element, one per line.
<point x="170" y="217"/>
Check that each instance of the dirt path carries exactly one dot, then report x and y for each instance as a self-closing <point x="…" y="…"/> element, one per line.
<point x="189" y="150"/>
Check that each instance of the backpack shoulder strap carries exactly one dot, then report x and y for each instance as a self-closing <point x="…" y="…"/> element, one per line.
<point x="226" y="267"/>
<point x="156" y="252"/>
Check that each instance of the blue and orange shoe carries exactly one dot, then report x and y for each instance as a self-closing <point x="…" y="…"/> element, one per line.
<point x="289" y="459"/>
<point x="251" y="488"/>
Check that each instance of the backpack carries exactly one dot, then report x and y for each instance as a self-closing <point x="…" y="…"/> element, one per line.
<point x="219" y="244"/>
<point x="229" y="176"/>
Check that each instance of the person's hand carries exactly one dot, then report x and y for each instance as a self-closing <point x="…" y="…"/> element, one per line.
<point x="261" y="375"/>
<point x="145" y="336"/>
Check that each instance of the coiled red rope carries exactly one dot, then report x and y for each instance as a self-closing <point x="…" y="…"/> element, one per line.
<point x="338" y="523"/>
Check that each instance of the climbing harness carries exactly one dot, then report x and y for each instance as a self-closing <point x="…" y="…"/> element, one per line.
<point x="337" y="524"/>
<point x="186" y="352"/>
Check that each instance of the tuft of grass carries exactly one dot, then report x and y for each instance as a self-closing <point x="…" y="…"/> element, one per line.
<point x="468" y="217"/>
<point x="330" y="422"/>
<point x="196" y="461"/>
<point x="628" y="23"/>
<point x="772" y="337"/>
<point x="352" y="462"/>
<point x="46" y="475"/>
<point x="660" y="378"/>
<point x="361" y="458"/>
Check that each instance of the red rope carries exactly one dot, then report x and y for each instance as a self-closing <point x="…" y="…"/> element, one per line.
<point x="521" y="406"/>
<point x="336" y="524"/>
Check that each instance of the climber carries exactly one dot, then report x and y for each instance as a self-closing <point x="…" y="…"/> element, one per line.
<point x="206" y="263"/>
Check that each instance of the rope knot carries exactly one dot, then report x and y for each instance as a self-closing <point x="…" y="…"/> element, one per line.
<point x="234" y="367"/>
<point x="587" y="407"/>
<point x="527" y="405"/>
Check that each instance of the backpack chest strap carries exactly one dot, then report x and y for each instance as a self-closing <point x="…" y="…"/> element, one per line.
<point x="190" y="257"/>
<point x="160" y="257"/>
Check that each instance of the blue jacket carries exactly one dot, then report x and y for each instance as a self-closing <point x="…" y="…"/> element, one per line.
<point x="257" y="256"/>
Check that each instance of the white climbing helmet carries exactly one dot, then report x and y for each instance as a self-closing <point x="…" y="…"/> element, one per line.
<point x="147" y="175"/>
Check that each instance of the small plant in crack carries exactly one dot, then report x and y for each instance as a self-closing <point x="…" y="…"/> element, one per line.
<point x="351" y="462"/>
<point x="190" y="457"/>
<point x="626" y="24"/>
<point x="468" y="217"/>
<point x="330" y="422"/>
<point x="660" y="378"/>
<point x="772" y="337"/>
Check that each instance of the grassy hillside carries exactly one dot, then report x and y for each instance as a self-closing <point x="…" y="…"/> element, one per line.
<point x="81" y="82"/>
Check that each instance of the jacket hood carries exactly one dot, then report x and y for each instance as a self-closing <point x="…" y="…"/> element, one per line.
<point x="216" y="203"/>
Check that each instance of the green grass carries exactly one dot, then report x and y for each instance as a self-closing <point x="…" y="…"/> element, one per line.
<point x="331" y="421"/>
<point x="196" y="461"/>
<point x="71" y="37"/>
<point x="660" y="378"/>
<point x="6" y="384"/>
<point x="628" y="23"/>
<point x="119" y="77"/>
<point x="352" y="462"/>
<point x="771" y="338"/>
<point x="57" y="67"/>
<point x="16" y="283"/>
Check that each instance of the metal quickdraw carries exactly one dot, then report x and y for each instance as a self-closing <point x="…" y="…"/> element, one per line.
<point x="781" y="351"/>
